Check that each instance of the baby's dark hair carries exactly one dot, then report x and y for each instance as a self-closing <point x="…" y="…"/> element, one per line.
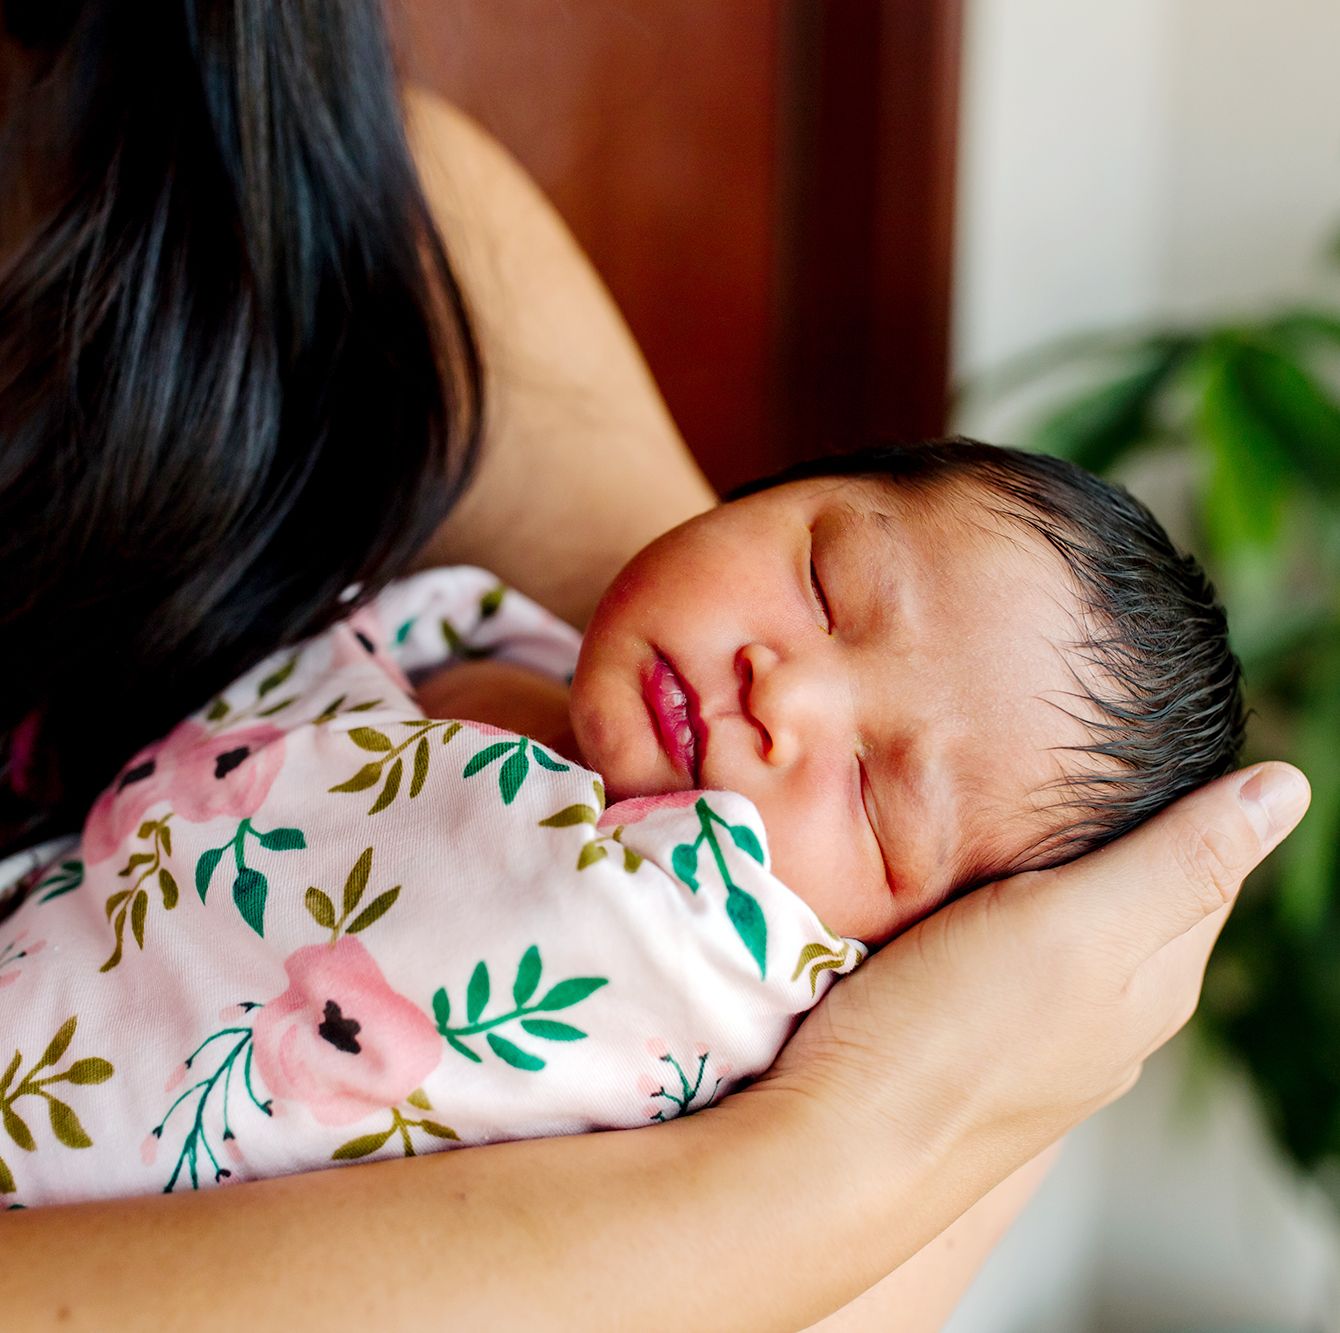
<point x="1163" y="701"/>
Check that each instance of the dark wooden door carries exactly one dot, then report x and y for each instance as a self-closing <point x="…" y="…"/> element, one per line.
<point x="765" y="185"/>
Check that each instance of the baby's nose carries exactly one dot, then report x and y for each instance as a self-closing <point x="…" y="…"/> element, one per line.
<point x="783" y="698"/>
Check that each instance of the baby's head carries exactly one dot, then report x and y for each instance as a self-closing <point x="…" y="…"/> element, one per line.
<point x="928" y="666"/>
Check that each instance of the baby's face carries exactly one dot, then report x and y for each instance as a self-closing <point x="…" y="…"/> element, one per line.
<point x="877" y="671"/>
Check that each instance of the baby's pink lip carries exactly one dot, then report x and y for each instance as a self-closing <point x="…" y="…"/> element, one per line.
<point x="674" y="713"/>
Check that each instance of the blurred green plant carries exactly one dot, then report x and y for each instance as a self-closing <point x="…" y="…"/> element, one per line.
<point x="1251" y="413"/>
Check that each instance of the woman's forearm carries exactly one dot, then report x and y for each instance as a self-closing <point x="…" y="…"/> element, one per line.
<point x="581" y="464"/>
<point x="745" y="1216"/>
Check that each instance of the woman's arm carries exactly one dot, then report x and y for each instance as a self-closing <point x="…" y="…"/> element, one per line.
<point x="581" y="464"/>
<point x="919" y="1083"/>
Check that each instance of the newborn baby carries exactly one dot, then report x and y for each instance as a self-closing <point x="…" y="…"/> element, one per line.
<point x="316" y="924"/>
<point x="928" y="668"/>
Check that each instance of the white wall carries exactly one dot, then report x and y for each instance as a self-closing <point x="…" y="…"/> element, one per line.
<point x="1151" y="157"/>
<point x="1123" y="162"/>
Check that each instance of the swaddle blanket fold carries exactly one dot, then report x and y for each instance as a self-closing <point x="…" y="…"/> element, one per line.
<point x="312" y="926"/>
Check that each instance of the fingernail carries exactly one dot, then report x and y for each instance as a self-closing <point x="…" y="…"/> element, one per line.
<point x="1274" y="797"/>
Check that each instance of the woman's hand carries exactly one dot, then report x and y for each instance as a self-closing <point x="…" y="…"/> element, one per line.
<point x="1004" y="1019"/>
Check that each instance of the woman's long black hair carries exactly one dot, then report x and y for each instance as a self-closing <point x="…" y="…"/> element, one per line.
<point x="236" y="372"/>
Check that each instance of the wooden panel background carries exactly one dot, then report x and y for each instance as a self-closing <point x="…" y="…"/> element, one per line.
<point x="765" y="185"/>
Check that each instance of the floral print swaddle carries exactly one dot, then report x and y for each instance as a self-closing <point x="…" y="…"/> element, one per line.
<point x="312" y="926"/>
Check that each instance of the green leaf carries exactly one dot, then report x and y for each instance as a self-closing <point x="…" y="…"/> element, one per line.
<point x="115" y="901"/>
<point x="1099" y="426"/>
<point x="513" y="774"/>
<point x="320" y="908"/>
<point x="570" y="992"/>
<point x="631" y="860"/>
<point x="1244" y="499"/>
<point x="17" y="1128"/>
<point x="368" y="738"/>
<point x="599" y="788"/>
<point x="824" y="966"/>
<point x="552" y="1030"/>
<point x="527" y="976"/>
<point x="167" y="887"/>
<point x="10" y="1070"/>
<point x="404" y="631"/>
<point x="65" y="1125"/>
<point x="746" y="840"/>
<point x="461" y="1048"/>
<point x="807" y="955"/>
<point x="438" y="1131"/>
<point x="486" y="756"/>
<point x="1303" y="417"/>
<point x="218" y="710"/>
<point x="591" y="853"/>
<point x="361" y="780"/>
<point x="449" y="731"/>
<point x="747" y="918"/>
<point x="91" y="1069"/>
<point x="684" y="860"/>
<point x="139" y="859"/>
<point x="477" y="994"/>
<point x="147" y="828"/>
<point x="165" y="836"/>
<point x="250" y="889"/>
<point x="441" y="1008"/>
<point x="283" y="840"/>
<point x="277" y="708"/>
<point x="377" y="908"/>
<point x="420" y="767"/>
<point x="357" y="880"/>
<point x="7" y="1184"/>
<point x="276" y="678"/>
<point x="59" y="1044"/>
<point x="491" y="601"/>
<point x="390" y="790"/>
<point x="547" y="761"/>
<point x="361" y="1146"/>
<point x="570" y="815"/>
<point x="138" y="909"/>
<point x="204" y="869"/>
<point x="419" y="1098"/>
<point x="513" y="1054"/>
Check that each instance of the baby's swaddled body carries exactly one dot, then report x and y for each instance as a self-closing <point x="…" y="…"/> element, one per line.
<point x="313" y="926"/>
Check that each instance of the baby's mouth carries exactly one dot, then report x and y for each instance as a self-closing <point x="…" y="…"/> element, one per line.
<point x="674" y="713"/>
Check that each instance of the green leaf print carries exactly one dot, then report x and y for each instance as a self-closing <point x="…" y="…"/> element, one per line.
<point x="65" y="1123"/>
<point x="569" y="816"/>
<point x="684" y="859"/>
<point x="742" y="909"/>
<point x="276" y="678"/>
<point x="546" y="760"/>
<point x="486" y="756"/>
<point x="66" y="879"/>
<point x="591" y="853"/>
<point x="747" y="841"/>
<point x="512" y="775"/>
<point x="512" y="1054"/>
<point x="389" y="769"/>
<point x="320" y="908"/>
<point x="204" y="869"/>
<point x="561" y="996"/>
<point x="283" y="840"/>
<point x="527" y="976"/>
<point x="477" y="995"/>
<point x="250" y="890"/>
<point x="747" y="917"/>
<point x="132" y="904"/>
<point x="361" y="1146"/>
<point x="374" y="911"/>
<point x="551" y="1029"/>
<point x="250" y="887"/>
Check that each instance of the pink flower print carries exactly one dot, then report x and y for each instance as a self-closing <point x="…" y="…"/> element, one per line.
<point x="149" y="1149"/>
<point x="658" y="1046"/>
<point x="13" y="954"/>
<point x="647" y="1085"/>
<point x="340" y="1040"/>
<point x="636" y="808"/>
<point x="202" y="775"/>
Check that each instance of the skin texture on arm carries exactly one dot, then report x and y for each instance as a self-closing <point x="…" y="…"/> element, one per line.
<point x="1052" y="988"/>
<point x="581" y="464"/>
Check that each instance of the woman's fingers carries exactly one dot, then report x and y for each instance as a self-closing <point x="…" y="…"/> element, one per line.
<point x="1185" y="866"/>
